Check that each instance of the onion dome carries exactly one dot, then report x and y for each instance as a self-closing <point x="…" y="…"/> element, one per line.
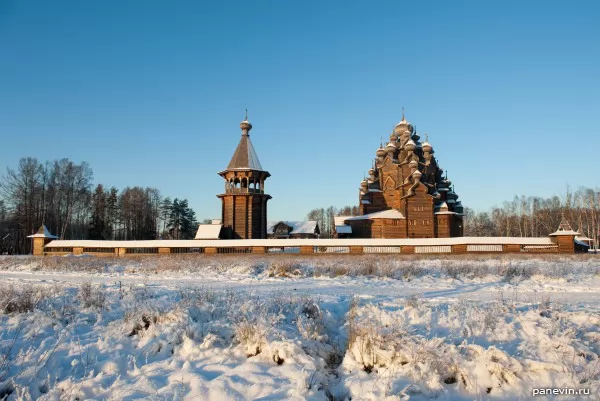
<point x="245" y="125"/>
<point x="426" y="146"/>
<point x="436" y="195"/>
<point x="410" y="145"/>
<point x="413" y="164"/>
<point x="452" y="195"/>
<point x="390" y="148"/>
<point x="380" y="152"/>
<point x="416" y="137"/>
<point x="364" y="184"/>
<point x="402" y="126"/>
<point x="417" y="174"/>
<point x="458" y="208"/>
<point x="372" y="174"/>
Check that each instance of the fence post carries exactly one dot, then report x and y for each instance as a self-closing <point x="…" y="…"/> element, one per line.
<point x="306" y="250"/>
<point x="356" y="250"/>
<point x="407" y="249"/>
<point x="511" y="248"/>
<point x="461" y="248"/>
<point x="259" y="249"/>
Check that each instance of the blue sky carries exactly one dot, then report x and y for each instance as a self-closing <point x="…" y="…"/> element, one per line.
<point x="151" y="93"/>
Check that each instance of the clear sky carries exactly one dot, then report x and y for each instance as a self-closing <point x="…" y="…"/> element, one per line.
<point x="151" y="93"/>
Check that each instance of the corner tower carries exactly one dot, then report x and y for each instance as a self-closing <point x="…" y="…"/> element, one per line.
<point x="244" y="202"/>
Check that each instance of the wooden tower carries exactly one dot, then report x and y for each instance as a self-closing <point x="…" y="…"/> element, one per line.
<point x="244" y="202"/>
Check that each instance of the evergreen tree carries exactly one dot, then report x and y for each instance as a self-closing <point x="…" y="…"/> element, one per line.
<point x="165" y="213"/>
<point x="98" y="225"/>
<point x="182" y="220"/>
<point x="174" y="219"/>
<point x="189" y="225"/>
<point x="3" y="211"/>
<point x="112" y="213"/>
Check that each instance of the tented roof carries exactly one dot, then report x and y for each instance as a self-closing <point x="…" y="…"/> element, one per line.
<point x="245" y="156"/>
<point x="564" y="228"/>
<point x="42" y="232"/>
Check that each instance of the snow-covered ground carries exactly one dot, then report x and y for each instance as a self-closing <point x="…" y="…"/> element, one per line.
<point x="276" y="328"/>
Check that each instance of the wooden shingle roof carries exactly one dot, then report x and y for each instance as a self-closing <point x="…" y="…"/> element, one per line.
<point x="245" y="156"/>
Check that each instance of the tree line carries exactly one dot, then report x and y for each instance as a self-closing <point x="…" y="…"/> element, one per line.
<point x="537" y="217"/>
<point x="326" y="218"/>
<point x="61" y="195"/>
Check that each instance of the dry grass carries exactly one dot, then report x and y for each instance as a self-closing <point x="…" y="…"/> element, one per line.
<point x="92" y="296"/>
<point x="21" y="299"/>
<point x="405" y="267"/>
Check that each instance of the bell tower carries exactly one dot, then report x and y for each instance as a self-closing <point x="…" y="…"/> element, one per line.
<point x="244" y="202"/>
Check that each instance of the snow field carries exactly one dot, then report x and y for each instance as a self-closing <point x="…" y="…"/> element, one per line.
<point x="238" y="328"/>
<point x="457" y="350"/>
<point x="140" y="342"/>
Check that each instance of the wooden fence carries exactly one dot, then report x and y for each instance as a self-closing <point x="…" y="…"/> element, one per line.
<point x="457" y="245"/>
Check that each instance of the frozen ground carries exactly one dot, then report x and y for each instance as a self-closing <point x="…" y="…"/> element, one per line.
<point x="240" y="327"/>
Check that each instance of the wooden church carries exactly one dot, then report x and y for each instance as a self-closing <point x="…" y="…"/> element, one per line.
<point x="406" y="194"/>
